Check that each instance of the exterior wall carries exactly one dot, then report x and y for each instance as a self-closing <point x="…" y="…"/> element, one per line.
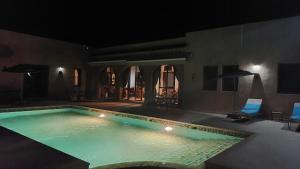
<point x="264" y="43"/>
<point x="27" y="49"/>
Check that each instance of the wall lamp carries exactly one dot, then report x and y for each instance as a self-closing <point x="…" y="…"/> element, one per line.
<point x="256" y="68"/>
<point x="60" y="70"/>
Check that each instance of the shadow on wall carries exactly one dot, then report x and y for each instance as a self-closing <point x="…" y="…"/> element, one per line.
<point x="60" y="87"/>
<point x="5" y="51"/>
<point x="258" y="91"/>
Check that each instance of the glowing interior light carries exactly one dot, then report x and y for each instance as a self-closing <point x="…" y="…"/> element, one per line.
<point x="28" y="74"/>
<point x="102" y="115"/>
<point x="256" y="68"/>
<point x="168" y="128"/>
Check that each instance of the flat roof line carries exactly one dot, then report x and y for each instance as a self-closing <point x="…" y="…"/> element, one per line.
<point x="137" y="61"/>
<point x="107" y="62"/>
<point x="158" y="60"/>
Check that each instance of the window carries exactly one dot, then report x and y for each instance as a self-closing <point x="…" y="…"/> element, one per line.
<point x="210" y="74"/>
<point x="167" y="85"/>
<point x="77" y="77"/>
<point x="167" y="77"/>
<point x="230" y="83"/>
<point x="288" y="78"/>
<point x="134" y="84"/>
<point x="107" y="88"/>
<point x="110" y="76"/>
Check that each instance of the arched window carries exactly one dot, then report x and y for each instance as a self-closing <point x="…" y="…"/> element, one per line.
<point x="107" y="83"/>
<point x="77" y="77"/>
<point x="110" y="76"/>
<point x="166" y="85"/>
<point x="133" y="84"/>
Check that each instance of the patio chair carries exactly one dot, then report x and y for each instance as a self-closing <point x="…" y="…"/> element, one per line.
<point x="295" y="117"/>
<point x="250" y="110"/>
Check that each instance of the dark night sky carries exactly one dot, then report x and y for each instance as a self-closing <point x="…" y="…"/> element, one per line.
<point x="99" y="23"/>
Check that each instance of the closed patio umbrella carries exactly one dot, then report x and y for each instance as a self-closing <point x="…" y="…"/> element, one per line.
<point x="22" y="68"/>
<point x="235" y="74"/>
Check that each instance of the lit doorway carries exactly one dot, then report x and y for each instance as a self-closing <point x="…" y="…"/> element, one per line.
<point x="166" y="85"/>
<point x="133" y="84"/>
<point x="107" y="83"/>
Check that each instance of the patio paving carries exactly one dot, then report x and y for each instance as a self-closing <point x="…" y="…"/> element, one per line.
<point x="272" y="145"/>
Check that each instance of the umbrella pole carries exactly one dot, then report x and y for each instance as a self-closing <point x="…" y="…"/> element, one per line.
<point x="234" y="96"/>
<point x="21" y="87"/>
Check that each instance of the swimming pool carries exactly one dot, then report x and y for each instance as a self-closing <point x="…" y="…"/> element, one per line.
<point x="106" y="138"/>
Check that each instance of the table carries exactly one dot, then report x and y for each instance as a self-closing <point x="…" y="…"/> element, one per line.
<point x="277" y="116"/>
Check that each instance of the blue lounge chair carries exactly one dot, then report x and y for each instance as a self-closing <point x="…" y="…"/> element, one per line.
<point x="295" y="117"/>
<point x="252" y="107"/>
<point x="250" y="110"/>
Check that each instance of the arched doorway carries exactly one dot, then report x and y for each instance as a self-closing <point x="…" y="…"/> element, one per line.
<point x="166" y="85"/>
<point x="107" y="83"/>
<point x="133" y="84"/>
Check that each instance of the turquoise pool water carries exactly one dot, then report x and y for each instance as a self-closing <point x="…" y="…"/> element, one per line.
<point x="116" y="139"/>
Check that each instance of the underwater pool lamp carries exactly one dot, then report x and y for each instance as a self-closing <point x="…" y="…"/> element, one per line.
<point x="102" y="115"/>
<point x="168" y="128"/>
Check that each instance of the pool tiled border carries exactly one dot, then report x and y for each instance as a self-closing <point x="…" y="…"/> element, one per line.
<point x="3" y="110"/>
<point x="234" y="133"/>
<point x="146" y="164"/>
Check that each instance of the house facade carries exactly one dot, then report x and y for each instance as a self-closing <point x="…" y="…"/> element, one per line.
<point x="55" y="63"/>
<point x="186" y="68"/>
<point x="184" y="71"/>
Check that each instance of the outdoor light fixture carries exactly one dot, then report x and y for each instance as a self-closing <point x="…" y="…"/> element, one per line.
<point x="256" y="68"/>
<point x="102" y="115"/>
<point x="60" y="70"/>
<point x="168" y="128"/>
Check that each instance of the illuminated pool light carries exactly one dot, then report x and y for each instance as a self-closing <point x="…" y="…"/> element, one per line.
<point x="102" y="115"/>
<point x="168" y="128"/>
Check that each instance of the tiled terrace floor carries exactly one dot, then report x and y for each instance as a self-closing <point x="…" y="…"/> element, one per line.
<point x="271" y="146"/>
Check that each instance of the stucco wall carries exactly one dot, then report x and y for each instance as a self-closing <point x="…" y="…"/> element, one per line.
<point x="28" y="49"/>
<point x="264" y="43"/>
